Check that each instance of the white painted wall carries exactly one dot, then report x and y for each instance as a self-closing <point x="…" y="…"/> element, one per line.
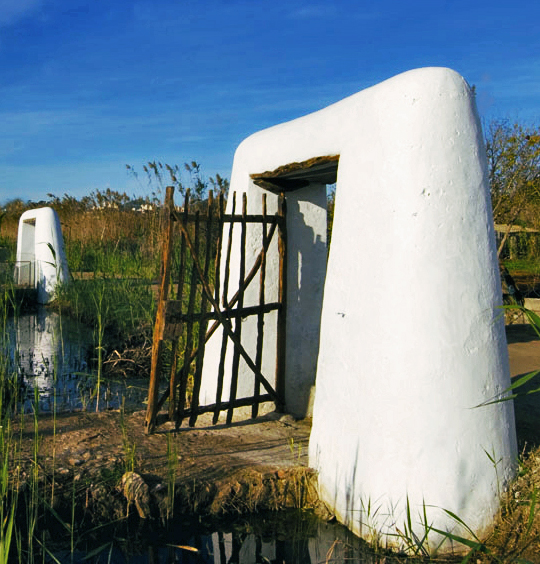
<point x="40" y="241"/>
<point x="411" y="338"/>
<point x="306" y="271"/>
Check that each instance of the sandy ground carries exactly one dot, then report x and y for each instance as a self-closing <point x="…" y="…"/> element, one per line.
<point x="248" y="466"/>
<point x="524" y="353"/>
<point x="95" y="440"/>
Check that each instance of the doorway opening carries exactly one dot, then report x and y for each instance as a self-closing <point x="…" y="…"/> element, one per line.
<point x="306" y="186"/>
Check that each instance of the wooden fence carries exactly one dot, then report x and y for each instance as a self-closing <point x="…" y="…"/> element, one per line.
<point x="193" y="303"/>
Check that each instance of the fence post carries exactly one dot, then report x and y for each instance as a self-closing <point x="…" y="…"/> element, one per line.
<point x="282" y="312"/>
<point x="159" y="327"/>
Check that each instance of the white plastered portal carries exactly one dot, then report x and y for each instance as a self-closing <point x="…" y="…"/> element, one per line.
<point x="40" y="248"/>
<point x="408" y="338"/>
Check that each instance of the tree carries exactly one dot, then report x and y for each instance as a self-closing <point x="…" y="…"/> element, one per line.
<point x="513" y="153"/>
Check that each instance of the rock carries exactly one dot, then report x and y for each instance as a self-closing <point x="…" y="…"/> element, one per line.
<point x="136" y="491"/>
<point x="287" y="420"/>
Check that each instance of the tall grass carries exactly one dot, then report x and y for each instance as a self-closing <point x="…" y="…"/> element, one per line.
<point x="8" y="499"/>
<point x="113" y="257"/>
<point x="9" y="446"/>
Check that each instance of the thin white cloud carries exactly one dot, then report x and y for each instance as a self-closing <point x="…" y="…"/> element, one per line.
<point x="34" y="122"/>
<point x="317" y="11"/>
<point x="11" y="11"/>
<point x="313" y="11"/>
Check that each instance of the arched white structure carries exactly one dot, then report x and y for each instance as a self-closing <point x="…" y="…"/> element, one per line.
<point x="40" y="248"/>
<point x="411" y="338"/>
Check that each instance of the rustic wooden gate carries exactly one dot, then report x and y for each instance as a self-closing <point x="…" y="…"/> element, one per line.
<point x="190" y="308"/>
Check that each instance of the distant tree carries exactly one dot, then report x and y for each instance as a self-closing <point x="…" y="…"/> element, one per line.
<point x="513" y="152"/>
<point x="15" y="207"/>
<point x="330" y="206"/>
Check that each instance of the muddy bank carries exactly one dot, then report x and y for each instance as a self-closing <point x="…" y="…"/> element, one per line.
<point x="107" y="466"/>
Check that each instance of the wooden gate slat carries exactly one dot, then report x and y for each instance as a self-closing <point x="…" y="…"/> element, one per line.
<point x="238" y="323"/>
<point x="224" y="340"/>
<point x="195" y="275"/>
<point x="260" y="315"/>
<point x="219" y="240"/>
<point x="202" y="324"/>
<point x="179" y="294"/>
<point x="281" y="338"/>
<point x="228" y="256"/>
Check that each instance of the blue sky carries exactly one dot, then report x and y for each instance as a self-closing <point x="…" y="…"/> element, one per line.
<point x="87" y="87"/>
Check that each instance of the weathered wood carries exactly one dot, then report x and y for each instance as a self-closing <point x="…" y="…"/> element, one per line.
<point x="153" y="390"/>
<point x="241" y="402"/>
<point x="174" y="329"/>
<point x="238" y="324"/>
<point x="202" y="325"/>
<point x="224" y="340"/>
<point x="282" y="313"/>
<point x="227" y="217"/>
<point x="219" y="240"/>
<point x="245" y="312"/>
<point x="260" y="315"/>
<point x="195" y="276"/>
<point x="228" y="328"/>
<point x="228" y="256"/>
<point x="179" y="317"/>
<point x="203" y="306"/>
<point x="221" y="375"/>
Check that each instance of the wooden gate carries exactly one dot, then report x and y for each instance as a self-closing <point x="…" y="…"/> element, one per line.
<point x="193" y="303"/>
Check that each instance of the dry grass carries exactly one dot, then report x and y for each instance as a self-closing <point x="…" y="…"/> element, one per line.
<point x="516" y="534"/>
<point x="90" y="232"/>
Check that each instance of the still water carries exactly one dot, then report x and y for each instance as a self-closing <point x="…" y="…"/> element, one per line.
<point x="52" y="355"/>
<point x="279" y="538"/>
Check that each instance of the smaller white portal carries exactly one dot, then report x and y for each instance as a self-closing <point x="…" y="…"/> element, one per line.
<point x="41" y="258"/>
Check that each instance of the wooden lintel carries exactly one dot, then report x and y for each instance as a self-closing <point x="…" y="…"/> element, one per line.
<point x="297" y="175"/>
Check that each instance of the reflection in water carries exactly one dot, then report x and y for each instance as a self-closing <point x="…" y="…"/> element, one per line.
<point x="284" y="538"/>
<point x="51" y="354"/>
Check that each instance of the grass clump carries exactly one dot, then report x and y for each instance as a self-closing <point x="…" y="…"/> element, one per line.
<point x="516" y="536"/>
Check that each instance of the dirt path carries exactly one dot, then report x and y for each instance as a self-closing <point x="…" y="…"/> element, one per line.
<point x="524" y="353"/>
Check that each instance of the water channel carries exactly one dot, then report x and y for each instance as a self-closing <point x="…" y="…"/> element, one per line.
<point x="52" y="356"/>
<point x="279" y="538"/>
